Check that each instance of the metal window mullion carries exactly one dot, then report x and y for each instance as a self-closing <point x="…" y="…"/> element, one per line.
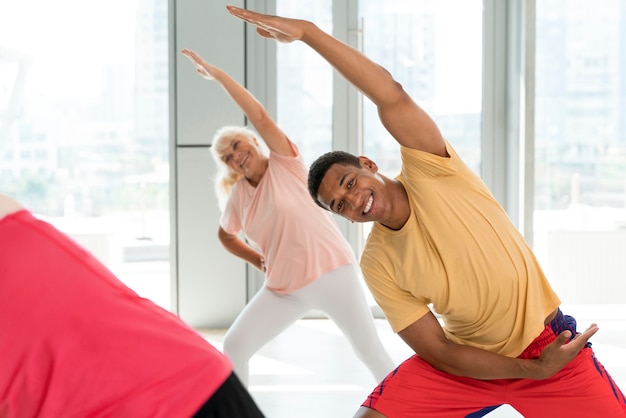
<point x="494" y="111"/>
<point x="527" y="149"/>
<point x="347" y="111"/>
<point x="508" y="107"/>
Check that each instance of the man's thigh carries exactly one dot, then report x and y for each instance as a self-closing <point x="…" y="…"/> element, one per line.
<point x="582" y="389"/>
<point x="416" y="389"/>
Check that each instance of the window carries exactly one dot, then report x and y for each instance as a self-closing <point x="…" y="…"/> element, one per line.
<point x="580" y="148"/>
<point x="419" y="43"/>
<point x="305" y="83"/>
<point x="84" y="127"/>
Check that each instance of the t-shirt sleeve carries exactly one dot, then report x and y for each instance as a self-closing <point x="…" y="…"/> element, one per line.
<point x="400" y="307"/>
<point x="286" y="165"/>
<point x="420" y="165"/>
<point x="230" y="221"/>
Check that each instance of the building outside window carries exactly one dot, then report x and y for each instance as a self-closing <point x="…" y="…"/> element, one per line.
<point x="84" y="127"/>
<point x="580" y="148"/>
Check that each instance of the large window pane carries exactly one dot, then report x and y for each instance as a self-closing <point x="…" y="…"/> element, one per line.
<point x="419" y="42"/>
<point x="84" y="127"/>
<point x="580" y="148"/>
<point x="305" y="83"/>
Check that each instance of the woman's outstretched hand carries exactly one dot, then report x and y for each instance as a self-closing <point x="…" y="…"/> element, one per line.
<point x="203" y="68"/>
<point x="280" y="28"/>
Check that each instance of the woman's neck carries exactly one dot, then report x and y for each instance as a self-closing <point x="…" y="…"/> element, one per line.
<point x="255" y="178"/>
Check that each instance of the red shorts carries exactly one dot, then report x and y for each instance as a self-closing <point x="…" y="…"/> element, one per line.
<point x="582" y="389"/>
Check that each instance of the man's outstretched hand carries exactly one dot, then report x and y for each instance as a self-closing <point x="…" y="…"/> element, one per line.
<point x="561" y="351"/>
<point x="280" y="28"/>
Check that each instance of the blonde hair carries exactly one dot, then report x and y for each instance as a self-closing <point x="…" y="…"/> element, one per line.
<point x="225" y="178"/>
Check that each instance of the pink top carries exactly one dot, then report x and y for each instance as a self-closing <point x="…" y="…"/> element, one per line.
<point x="299" y="240"/>
<point x="76" y="342"/>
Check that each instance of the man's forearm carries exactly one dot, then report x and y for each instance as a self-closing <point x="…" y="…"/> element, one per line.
<point x="475" y="363"/>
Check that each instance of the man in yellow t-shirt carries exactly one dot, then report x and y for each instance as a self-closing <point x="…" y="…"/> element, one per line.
<point x="441" y="240"/>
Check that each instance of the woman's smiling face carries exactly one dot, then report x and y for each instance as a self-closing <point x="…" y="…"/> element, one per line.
<point x="242" y="155"/>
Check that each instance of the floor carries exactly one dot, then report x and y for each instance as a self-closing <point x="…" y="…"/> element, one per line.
<point x="310" y="371"/>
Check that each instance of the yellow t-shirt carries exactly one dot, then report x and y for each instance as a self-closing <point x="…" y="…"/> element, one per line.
<point x="460" y="252"/>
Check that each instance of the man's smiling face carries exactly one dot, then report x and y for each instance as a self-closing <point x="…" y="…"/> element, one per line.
<point x="356" y="193"/>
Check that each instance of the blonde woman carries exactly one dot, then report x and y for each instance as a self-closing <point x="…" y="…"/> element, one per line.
<point x="307" y="262"/>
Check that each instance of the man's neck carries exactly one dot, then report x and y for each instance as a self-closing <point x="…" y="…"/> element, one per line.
<point x="400" y="204"/>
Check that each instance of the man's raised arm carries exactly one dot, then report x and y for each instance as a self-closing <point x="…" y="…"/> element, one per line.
<point x="400" y="115"/>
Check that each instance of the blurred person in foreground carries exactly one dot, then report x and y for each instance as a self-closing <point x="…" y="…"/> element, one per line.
<point x="76" y="342"/>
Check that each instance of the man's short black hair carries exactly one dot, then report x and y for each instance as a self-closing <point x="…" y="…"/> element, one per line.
<point x="321" y="165"/>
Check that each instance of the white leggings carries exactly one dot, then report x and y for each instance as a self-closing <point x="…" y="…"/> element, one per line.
<point x="338" y="294"/>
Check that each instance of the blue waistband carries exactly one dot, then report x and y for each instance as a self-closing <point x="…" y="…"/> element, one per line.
<point x="562" y="323"/>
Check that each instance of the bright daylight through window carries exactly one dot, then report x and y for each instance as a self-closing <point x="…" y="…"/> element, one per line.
<point x="84" y="127"/>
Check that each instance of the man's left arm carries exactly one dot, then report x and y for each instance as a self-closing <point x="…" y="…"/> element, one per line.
<point x="426" y="337"/>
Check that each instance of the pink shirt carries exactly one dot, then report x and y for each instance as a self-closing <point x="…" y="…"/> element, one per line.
<point x="299" y="240"/>
<point x="76" y="342"/>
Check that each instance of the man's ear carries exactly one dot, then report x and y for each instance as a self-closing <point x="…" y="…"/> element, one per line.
<point x="368" y="164"/>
